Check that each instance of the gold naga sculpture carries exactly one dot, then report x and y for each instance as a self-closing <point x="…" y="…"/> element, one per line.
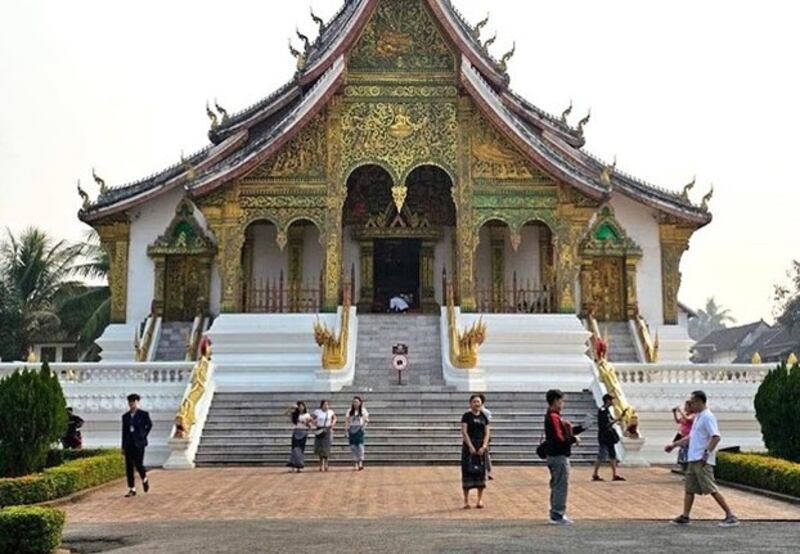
<point x="476" y="30"/>
<point x="334" y="346"/>
<point x="319" y="21"/>
<point x="187" y="416"/>
<point x="688" y="188"/>
<point x="756" y="359"/>
<point x="608" y="172"/>
<point x="212" y="117"/>
<point x="222" y="111"/>
<point x="100" y="182"/>
<point x="86" y="204"/>
<point x="707" y="199"/>
<point x="791" y="361"/>
<point x="507" y="58"/>
<point x="566" y="113"/>
<point x="583" y="122"/>
<point x="464" y="345"/>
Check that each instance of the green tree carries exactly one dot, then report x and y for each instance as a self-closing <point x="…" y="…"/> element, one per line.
<point x="713" y="318"/>
<point x="787" y="298"/>
<point x="33" y="418"/>
<point x="776" y="410"/>
<point x="11" y="343"/>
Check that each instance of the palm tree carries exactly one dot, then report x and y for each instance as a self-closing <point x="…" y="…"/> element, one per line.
<point x="713" y="318"/>
<point x="37" y="271"/>
<point x="87" y="312"/>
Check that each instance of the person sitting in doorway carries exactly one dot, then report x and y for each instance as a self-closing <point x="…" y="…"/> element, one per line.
<point x="400" y="304"/>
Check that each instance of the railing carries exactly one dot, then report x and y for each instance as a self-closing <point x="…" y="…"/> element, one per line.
<point x="334" y="347"/>
<point x="464" y="344"/>
<point x="142" y="344"/>
<point x="187" y="416"/>
<point x="275" y="296"/>
<point x="518" y="299"/>
<point x="111" y="372"/>
<point x="193" y="340"/>
<point x="695" y="374"/>
<point x="649" y="345"/>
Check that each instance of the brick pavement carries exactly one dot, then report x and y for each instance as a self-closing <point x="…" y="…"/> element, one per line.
<point x="389" y="492"/>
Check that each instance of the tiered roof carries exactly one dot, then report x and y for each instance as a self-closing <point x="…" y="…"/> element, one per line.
<point x="241" y="142"/>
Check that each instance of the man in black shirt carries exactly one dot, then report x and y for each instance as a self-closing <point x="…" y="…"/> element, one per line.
<point x="607" y="438"/>
<point x="136" y="426"/>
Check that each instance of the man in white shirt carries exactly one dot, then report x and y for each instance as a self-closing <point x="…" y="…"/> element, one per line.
<point x="701" y="458"/>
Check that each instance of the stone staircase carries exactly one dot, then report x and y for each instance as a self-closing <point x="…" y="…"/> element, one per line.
<point x="407" y="427"/>
<point x="172" y="342"/>
<point x="621" y="347"/>
<point x="376" y="336"/>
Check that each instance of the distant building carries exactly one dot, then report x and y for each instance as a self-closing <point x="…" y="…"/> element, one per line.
<point x="773" y="345"/>
<point x="725" y="345"/>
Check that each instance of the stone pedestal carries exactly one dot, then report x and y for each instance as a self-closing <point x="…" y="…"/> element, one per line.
<point x="633" y="453"/>
<point x="179" y="457"/>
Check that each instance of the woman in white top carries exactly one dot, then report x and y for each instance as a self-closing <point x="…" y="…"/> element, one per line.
<point x="324" y="420"/>
<point x="301" y="420"/>
<point x="357" y="419"/>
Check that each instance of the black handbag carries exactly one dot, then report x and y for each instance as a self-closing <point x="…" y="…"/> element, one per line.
<point x="541" y="450"/>
<point x="476" y="466"/>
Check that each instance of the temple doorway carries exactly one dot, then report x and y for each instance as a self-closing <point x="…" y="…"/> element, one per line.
<point x="396" y="274"/>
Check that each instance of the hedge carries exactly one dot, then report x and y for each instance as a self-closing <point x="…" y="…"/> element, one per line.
<point x="62" y="480"/>
<point x="30" y="530"/>
<point x="763" y="472"/>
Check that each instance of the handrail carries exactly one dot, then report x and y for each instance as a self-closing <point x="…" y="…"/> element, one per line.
<point x="187" y="416"/>
<point x="193" y="340"/>
<point x="334" y="348"/>
<point x="464" y="344"/>
<point x="650" y="345"/>
<point x="609" y="378"/>
<point x="142" y="344"/>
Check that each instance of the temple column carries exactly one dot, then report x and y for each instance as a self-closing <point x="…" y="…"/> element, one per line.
<point x="573" y="213"/>
<point x="295" y="242"/>
<point x="367" y="272"/>
<point x="587" y="298"/>
<point x="223" y="213"/>
<point x="466" y="234"/>
<point x="631" y="296"/>
<point x="674" y="242"/>
<point x="115" y="240"/>
<point x="332" y="240"/>
<point x="160" y="275"/>
<point x="426" y="288"/>
<point x="498" y="266"/>
<point x="247" y="270"/>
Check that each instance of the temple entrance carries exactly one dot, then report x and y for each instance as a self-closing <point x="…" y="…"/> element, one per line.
<point x="396" y="274"/>
<point x="182" y="288"/>
<point x="608" y="288"/>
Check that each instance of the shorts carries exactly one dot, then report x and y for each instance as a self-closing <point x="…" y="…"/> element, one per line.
<point x="700" y="479"/>
<point x="606" y="452"/>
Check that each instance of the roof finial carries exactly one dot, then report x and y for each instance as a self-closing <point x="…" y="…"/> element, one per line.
<point x="582" y="123"/>
<point x="212" y="116"/>
<point x="85" y="197"/>
<point x="101" y="183"/>
<point x="476" y="30"/>
<point x="565" y="114"/>
<point x="688" y="188"/>
<point x="489" y="42"/>
<point x="188" y="168"/>
<point x="507" y="57"/>
<point x="707" y="198"/>
<point x="301" y="58"/>
<point x="319" y="21"/>
<point x="223" y="112"/>
<point x="608" y="171"/>
<point x="305" y="39"/>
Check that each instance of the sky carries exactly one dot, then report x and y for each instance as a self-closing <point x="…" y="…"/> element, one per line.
<point x="677" y="88"/>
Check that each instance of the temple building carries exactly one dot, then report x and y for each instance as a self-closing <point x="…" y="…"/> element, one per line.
<point x="397" y="159"/>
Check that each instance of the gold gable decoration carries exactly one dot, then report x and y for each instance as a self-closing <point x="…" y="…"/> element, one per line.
<point x="183" y="236"/>
<point x="303" y="158"/>
<point x="493" y="157"/>
<point x="402" y="37"/>
<point x="607" y="237"/>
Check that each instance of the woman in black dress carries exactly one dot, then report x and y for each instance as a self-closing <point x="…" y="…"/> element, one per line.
<point x="476" y="433"/>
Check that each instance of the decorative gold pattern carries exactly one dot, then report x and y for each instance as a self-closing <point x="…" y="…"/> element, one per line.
<point x="303" y="158"/>
<point x="464" y="345"/>
<point x="334" y="346"/>
<point x="493" y="157"/>
<point x="674" y="242"/>
<point x="114" y="238"/>
<point x="187" y="412"/>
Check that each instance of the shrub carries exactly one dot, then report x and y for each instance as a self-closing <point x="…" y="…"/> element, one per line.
<point x="776" y="410"/>
<point x="63" y="480"/>
<point x="759" y="471"/>
<point x="30" y="530"/>
<point x="58" y="456"/>
<point x="32" y="418"/>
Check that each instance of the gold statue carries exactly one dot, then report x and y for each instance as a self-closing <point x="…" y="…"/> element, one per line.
<point x="402" y="126"/>
<point x="608" y="172"/>
<point x="756" y="359"/>
<point x="791" y="361"/>
<point x="31" y="358"/>
<point x="85" y="197"/>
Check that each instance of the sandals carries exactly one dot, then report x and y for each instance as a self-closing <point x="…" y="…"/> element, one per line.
<point x="619" y="478"/>
<point x="597" y="478"/>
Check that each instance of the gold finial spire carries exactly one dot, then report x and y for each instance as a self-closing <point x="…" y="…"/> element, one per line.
<point x="212" y="117"/>
<point x="85" y="197"/>
<point x="582" y="123"/>
<point x="476" y="31"/>
<point x="319" y="21"/>
<point x="489" y="42"/>
<point x="31" y="357"/>
<point x="566" y="113"/>
<point x="191" y="173"/>
<point x="222" y="111"/>
<point x="688" y="188"/>
<point x="399" y="195"/>
<point x="507" y="57"/>
<point x="756" y="359"/>
<point x="299" y="56"/>
<point x="791" y="361"/>
<point x="100" y="182"/>
<point x="707" y="199"/>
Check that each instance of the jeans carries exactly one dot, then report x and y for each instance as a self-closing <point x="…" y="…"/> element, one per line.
<point x="559" y="485"/>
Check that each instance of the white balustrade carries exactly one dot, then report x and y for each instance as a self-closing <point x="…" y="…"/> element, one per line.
<point x="695" y="374"/>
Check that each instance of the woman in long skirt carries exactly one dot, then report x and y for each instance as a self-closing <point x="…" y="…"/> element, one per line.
<point x="324" y="420"/>
<point x="475" y="432"/>
<point x="301" y="420"/>
<point x="357" y="419"/>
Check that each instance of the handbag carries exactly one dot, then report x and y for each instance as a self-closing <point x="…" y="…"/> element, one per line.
<point x="324" y="429"/>
<point x="541" y="450"/>
<point x="476" y="466"/>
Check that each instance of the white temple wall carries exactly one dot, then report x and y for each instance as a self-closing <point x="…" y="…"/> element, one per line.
<point x="483" y="259"/>
<point x="351" y="256"/>
<point x="313" y="257"/>
<point x="443" y="259"/>
<point x="641" y="224"/>
<point x="268" y="260"/>
<point x="148" y="222"/>
<point x="525" y="261"/>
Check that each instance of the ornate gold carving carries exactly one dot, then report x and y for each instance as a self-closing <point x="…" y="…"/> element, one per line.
<point x="304" y="157"/>
<point x="399" y="195"/>
<point x="494" y="157"/>
<point x="334" y="346"/>
<point x="187" y="412"/>
<point x="607" y="237"/>
<point x="383" y="132"/>
<point x="464" y="345"/>
<point x="115" y="237"/>
<point x="674" y="242"/>
<point x="401" y="36"/>
<point x="400" y="91"/>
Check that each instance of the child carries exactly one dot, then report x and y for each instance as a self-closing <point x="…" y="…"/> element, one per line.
<point x="684" y="419"/>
